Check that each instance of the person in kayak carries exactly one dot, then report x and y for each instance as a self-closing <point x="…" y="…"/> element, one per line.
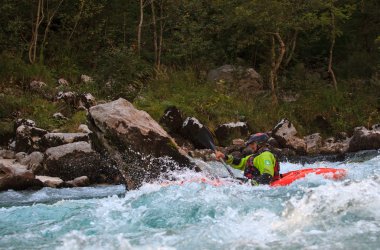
<point x="261" y="167"/>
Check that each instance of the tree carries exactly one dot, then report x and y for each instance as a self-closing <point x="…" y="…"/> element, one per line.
<point x="333" y="14"/>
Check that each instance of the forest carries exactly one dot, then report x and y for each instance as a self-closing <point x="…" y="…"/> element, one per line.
<point x="157" y="54"/>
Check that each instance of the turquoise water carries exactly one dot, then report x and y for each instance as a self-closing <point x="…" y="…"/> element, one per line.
<point x="313" y="213"/>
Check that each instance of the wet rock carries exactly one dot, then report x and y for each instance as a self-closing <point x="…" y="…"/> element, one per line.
<point x="73" y="160"/>
<point x="285" y="133"/>
<point x="48" y="181"/>
<point x="56" y="139"/>
<point x="134" y="140"/>
<point x="16" y="176"/>
<point x="172" y="120"/>
<point x="225" y="133"/>
<point x="28" y="138"/>
<point x="313" y="143"/>
<point x="364" y="139"/>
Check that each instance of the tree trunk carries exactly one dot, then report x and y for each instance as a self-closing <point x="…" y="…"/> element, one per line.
<point x="155" y="42"/>
<point x="291" y="52"/>
<point x="140" y="27"/>
<point x="82" y="3"/>
<point x="34" y="41"/>
<point x="276" y="63"/>
<point x="160" y="42"/>
<point x="272" y="72"/>
<point x="47" y="28"/>
<point x="331" y="51"/>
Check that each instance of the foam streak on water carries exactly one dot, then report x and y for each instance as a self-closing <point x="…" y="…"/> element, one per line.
<point x="313" y="213"/>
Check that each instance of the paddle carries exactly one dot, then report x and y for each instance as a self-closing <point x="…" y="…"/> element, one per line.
<point x="205" y="138"/>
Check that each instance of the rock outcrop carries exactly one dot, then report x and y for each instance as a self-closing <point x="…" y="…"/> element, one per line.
<point x="73" y="160"/>
<point x="139" y="145"/>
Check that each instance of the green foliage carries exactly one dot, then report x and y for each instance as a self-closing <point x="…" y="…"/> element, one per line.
<point x="13" y="69"/>
<point x="213" y="105"/>
<point x="124" y="71"/>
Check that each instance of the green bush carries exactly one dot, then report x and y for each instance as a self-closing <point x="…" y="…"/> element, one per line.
<point x="125" y="72"/>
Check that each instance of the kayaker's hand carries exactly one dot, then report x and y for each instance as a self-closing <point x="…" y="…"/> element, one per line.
<point x="219" y="155"/>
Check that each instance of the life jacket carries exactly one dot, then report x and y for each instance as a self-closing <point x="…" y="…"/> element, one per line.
<point x="250" y="170"/>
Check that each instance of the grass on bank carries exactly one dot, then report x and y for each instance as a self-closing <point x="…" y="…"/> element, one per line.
<point x="355" y="104"/>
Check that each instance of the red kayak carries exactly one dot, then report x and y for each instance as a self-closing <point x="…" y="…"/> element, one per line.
<point x="328" y="173"/>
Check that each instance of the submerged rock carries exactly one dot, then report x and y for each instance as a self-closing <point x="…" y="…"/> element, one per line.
<point x="139" y="145"/>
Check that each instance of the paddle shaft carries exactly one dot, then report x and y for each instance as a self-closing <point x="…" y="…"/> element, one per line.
<point x="228" y="169"/>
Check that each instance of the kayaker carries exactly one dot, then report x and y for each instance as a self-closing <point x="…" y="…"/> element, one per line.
<point x="261" y="167"/>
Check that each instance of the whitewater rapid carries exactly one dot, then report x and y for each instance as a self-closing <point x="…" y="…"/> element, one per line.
<point x="312" y="213"/>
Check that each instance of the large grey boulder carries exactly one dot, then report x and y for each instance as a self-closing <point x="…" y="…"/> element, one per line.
<point x="16" y="176"/>
<point x="286" y="135"/>
<point x="364" y="139"/>
<point x="73" y="160"/>
<point x="139" y="145"/>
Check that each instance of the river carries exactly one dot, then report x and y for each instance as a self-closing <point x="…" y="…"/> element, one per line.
<point x="312" y="213"/>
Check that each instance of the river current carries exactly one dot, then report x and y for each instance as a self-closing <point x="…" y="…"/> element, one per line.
<point x="312" y="213"/>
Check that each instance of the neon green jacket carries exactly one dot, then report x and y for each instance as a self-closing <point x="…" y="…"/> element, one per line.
<point x="265" y="163"/>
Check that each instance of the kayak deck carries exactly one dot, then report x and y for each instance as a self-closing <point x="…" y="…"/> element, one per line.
<point x="328" y="173"/>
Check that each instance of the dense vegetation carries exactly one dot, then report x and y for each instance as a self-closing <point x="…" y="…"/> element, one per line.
<point x="156" y="53"/>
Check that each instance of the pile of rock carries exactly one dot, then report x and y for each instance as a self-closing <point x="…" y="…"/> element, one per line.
<point x="124" y="145"/>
